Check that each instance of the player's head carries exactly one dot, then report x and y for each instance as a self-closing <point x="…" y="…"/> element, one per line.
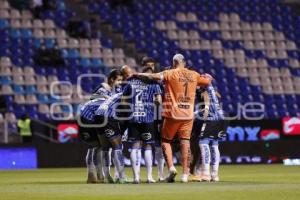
<point x="114" y="78"/>
<point x="148" y="62"/>
<point x="178" y="60"/>
<point x="126" y="71"/>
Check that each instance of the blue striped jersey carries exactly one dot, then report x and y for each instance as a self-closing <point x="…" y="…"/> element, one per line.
<point x="141" y="97"/>
<point x="215" y="111"/>
<point x="109" y="106"/>
<point x="104" y="90"/>
<point x="88" y="109"/>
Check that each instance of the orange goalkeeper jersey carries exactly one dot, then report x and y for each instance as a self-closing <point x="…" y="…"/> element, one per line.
<point x="180" y="89"/>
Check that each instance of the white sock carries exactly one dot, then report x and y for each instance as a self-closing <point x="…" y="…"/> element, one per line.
<point x="198" y="168"/>
<point x="89" y="161"/>
<point x="205" y="157"/>
<point x="98" y="164"/>
<point x="119" y="162"/>
<point x="215" y="159"/>
<point x="172" y="168"/>
<point x="148" y="162"/>
<point x="106" y="158"/>
<point x="135" y="157"/>
<point x="116" y="175"/>
<point x="159" y="156"/>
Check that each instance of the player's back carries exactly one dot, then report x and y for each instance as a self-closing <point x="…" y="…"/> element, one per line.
<point x="180" y="91"/>
<point x="88" y="109"/>
<point x="109" y="106"/>
<point x="141" y="98"/>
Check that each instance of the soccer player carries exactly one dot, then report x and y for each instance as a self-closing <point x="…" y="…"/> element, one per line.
<point x="213" y="129"/>
<point x="112" y="86"/>
<point x="141" y="96"/>
<point x="88" y="133"/>
<point x="148" y="65"/>
<point x="178" y="105"/>
<point x="194" y="142"/>
<point x="148" y="62"/>
<point x="110" y="135"/>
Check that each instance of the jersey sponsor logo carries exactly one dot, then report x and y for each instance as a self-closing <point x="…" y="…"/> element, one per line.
<point x="270" y="134"/>
<point x="291" y="125"/>
<point x="182" y="106"/>
<point x="139" y="114"/>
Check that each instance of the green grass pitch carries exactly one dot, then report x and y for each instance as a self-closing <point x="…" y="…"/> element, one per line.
<point x="237" y="182"/>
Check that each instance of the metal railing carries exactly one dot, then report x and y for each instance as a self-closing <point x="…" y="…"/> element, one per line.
<point x="5" y="132"/>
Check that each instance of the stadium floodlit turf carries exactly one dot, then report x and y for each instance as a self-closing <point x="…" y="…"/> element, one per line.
<point x="237" y="182"/>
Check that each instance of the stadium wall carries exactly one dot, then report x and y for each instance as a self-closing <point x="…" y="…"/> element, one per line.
<point x="73" y="154"/>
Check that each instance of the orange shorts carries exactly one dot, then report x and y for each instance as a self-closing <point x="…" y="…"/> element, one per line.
<point x="172" y="127"/>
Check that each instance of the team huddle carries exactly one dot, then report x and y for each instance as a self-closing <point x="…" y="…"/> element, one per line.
<point x="152" y="110"/>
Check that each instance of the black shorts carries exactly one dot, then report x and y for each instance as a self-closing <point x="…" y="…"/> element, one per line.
<point x="111" y="129"/>
<point x="123" y="126"/>
<point x="196" y="129"/>
<point x="213" y="129"/>
<point x="141" y="132"/>
<point x="88" y="134"/>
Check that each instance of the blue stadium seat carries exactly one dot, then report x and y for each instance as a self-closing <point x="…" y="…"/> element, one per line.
<point x="15" y="33"/>
<point x="42" y="98"/>
<point x="25" y="33"/>
<point x="5" y="80"/>
<point x="3" y="23"/>
<point x="85" y="62"/>
<point x="30" y="89"/>
<point x="19" y="89"/>
<point x="96" y="62"/>
<point x="49" y="43"/>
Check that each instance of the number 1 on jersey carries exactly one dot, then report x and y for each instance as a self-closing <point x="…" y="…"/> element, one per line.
<point x="185" y="85"/>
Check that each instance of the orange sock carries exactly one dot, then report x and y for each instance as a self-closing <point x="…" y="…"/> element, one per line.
<point x="167" y="150"/>
<point x="185" y="155"/>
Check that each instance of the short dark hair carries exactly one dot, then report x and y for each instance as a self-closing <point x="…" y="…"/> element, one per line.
<point x="113" y="74"/>
<point x="146" y="60"/>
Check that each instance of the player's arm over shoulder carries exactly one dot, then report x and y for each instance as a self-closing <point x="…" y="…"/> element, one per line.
<point x="162" y="76"/>
<point x="203" y="79"/>
<point x="148" y="76"/>
<point x="205" y="97"/>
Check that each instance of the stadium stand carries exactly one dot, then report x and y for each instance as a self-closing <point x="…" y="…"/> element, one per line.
<point x="251" y="50"/>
